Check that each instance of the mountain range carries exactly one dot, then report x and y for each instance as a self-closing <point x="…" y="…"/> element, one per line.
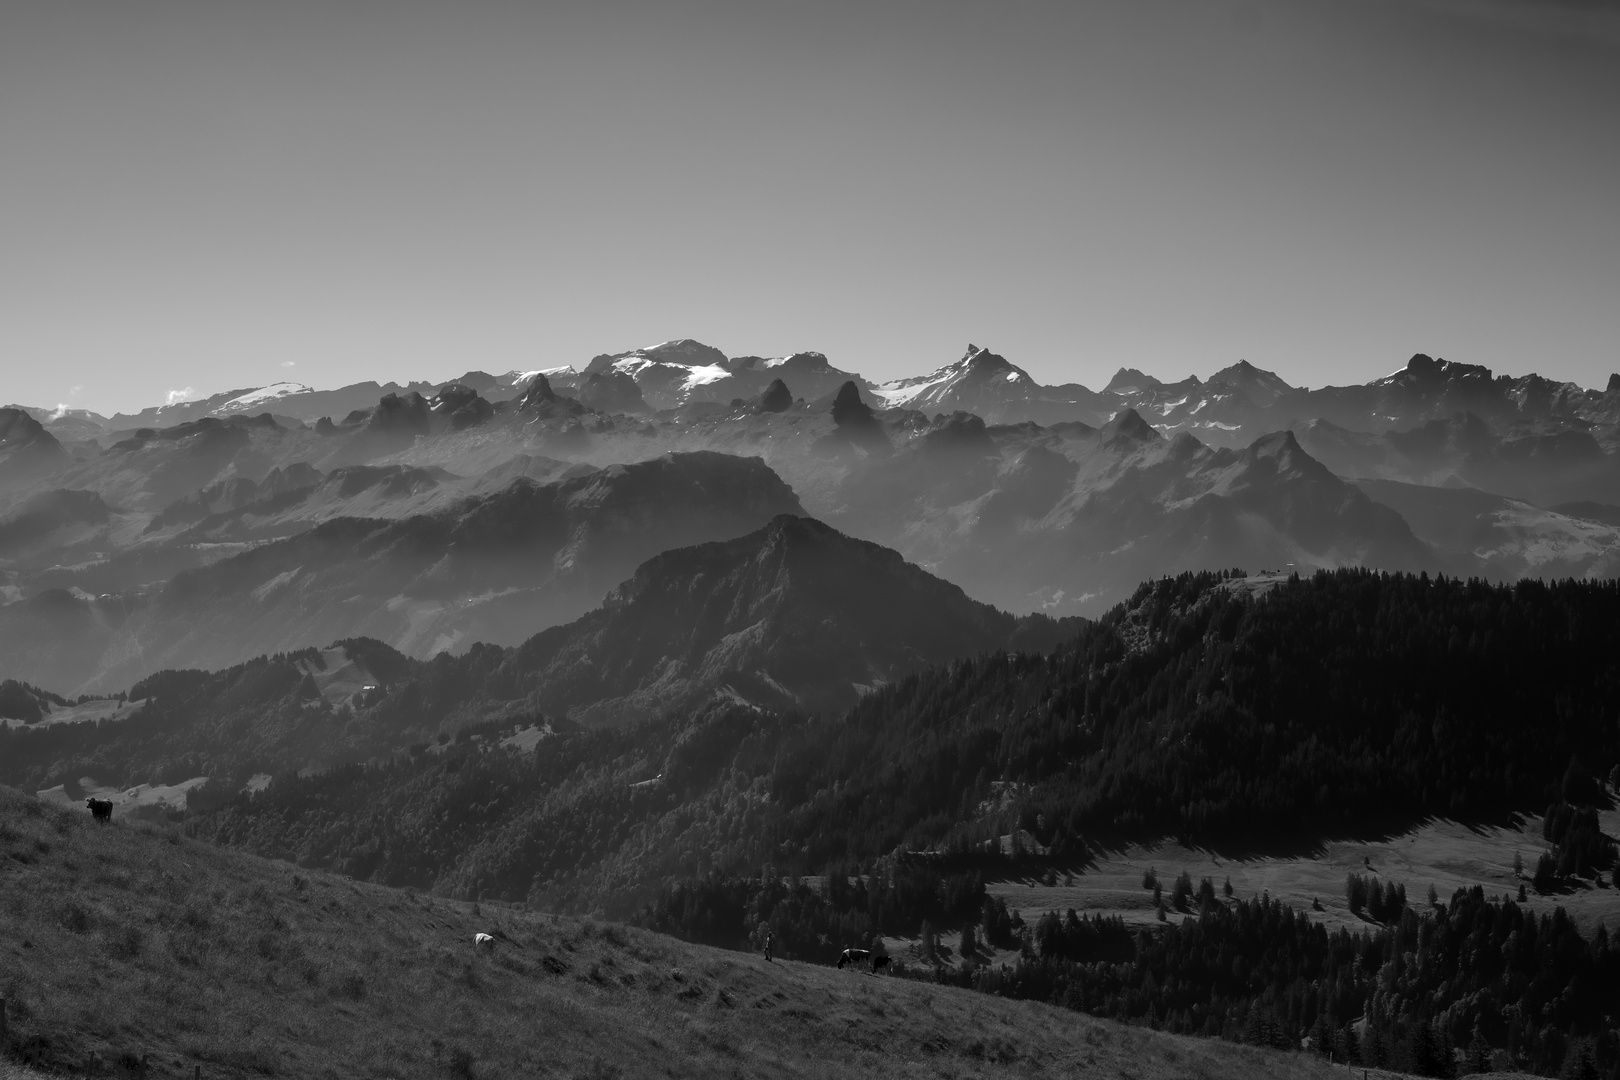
<point x="1231" y="406"/>
<point x="123" y="550"/>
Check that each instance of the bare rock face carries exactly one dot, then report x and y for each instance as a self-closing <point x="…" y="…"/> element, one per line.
<point x="460" y="406"/>
<point x="27" y="450"/>
<point x="856" y="424"/>
<point x="611" y="392"/>
<point x="399" y="418"/>
<point x="1129" y="427"/>
<point x="776" y="398"/>
<point x="539" y="393"/>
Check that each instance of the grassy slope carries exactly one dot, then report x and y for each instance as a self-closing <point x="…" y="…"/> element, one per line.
<point x="127" y="940"/>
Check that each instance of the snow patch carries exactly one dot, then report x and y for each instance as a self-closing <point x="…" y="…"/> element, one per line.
<point x="904" y="391"/>
<point x="257" y="398"/>
<point x="701" y="375"/>
<point x="516" y="377"/>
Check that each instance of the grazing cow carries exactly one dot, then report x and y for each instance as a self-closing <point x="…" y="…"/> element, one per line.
<point x="483" y="941"/>
<point x="878" y="964"/>
<point x="100" y="809"/>
<point x="853" y="956"/>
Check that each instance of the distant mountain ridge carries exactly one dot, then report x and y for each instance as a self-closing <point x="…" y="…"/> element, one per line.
<point x="494" y="567"/>
<point x="793" y="616"/>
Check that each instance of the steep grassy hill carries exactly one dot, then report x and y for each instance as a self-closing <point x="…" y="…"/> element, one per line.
<point x="125" y="943"/>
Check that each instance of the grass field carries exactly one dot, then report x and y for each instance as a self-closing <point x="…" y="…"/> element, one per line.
<point x="109" y="710"/>
<point x="126" y="942"/>
<point x="1441" y="853"/>
<point x="125" y="802"/>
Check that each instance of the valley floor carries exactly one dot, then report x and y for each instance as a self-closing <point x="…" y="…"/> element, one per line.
<point x="1444" y="854"/>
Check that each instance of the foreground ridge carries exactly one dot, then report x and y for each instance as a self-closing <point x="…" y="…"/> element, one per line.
<point x="129" y="944"/>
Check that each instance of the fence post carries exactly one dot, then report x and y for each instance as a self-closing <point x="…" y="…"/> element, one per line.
<point x="3" y="1043"/>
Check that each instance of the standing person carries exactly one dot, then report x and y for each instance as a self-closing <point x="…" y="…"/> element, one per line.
<point x="768" y="939"/>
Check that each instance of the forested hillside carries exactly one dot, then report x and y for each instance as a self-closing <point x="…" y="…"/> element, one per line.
<point x="1348" y="700"/>
<point x="1418" y="988"/>
<point x="1340" y="704"/>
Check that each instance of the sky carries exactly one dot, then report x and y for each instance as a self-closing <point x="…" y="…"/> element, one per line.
<point x="200" y="195"/>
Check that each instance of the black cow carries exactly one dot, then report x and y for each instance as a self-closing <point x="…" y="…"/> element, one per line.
<point x="853" y="956"/>
<point x="100" y="809"/>
<point x="878" y="964"/>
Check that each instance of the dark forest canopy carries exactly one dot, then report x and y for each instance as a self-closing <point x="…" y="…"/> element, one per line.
<point x="1335" y="703"/>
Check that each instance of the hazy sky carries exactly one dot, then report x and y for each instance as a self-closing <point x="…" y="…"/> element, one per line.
<point x="226" y="193"/>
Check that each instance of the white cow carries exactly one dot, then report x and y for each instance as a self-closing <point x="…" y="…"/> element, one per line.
<point x="484" y="941"/>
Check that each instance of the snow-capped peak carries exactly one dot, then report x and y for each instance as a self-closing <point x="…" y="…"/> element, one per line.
<point x="683" y="351"/>
<point x="518" y="378"/>
<point x="978" y="366"/>
<point x="261" y="398"/>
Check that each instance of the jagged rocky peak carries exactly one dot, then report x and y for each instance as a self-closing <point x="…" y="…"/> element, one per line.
<point x="982" y="364"/>
<point x="400" y="412"/>
<point x="1131" y="381"/>
<point x="977" y="356"/>
<point x="1260" y="387"/>
<point x="1254" y="380"/>
<point x="461" y="405"/>
<point x="18" y="428"/>
<point x="1279" y="455"/>
<point x="538" y="392"/>
<point x="857" y="424"/>
<point x="452" y="396"/>
<point x="776" y="398"/>
<point x="1614" y="384"/>
<point x="1128" y="424"/>
<point x="848" y="408"/>
<point x="1425" y="368"/>
<point x="1278" y="444"/>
